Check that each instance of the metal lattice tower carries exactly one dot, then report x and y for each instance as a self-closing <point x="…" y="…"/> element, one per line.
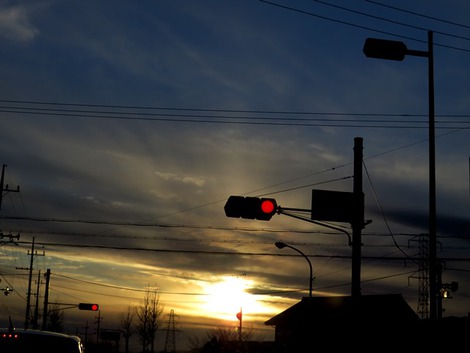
<point x="423" y="276"/>
<point x="170" y="341"/>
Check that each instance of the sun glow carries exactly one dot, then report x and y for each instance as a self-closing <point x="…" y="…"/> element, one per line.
<point x="228" y="296"/>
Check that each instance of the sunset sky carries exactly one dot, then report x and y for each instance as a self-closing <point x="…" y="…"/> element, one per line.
<point x="127" y="125"/>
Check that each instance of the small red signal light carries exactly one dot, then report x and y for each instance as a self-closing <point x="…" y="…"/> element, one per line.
<point x="87" y="306"/>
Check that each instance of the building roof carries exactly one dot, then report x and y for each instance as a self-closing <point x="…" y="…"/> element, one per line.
<point x="372" y="308"/>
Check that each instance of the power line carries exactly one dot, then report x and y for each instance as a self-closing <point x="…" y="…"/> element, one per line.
<point x="212" y="110"/>
<point x="187" y="226"/>
<point x="389" y="20"/>
<point x="259" y="117"/>
<point x="100" y="284"/>
<point x="381" y="210"/>
<point x="234" y="253"/>
<point x="358" y="26"/>
<point x="419" y="14"/>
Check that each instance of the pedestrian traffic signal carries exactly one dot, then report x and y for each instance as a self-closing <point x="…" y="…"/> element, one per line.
<point x="250" y="207"/>
<point x="87" y="306"/>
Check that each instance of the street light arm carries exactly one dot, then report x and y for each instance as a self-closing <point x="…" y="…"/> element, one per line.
<point x="282" y="245"/>
<point x="306" y="258"/>
<point x="424" y="54"/>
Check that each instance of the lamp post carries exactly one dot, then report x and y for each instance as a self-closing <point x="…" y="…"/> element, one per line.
<point x="281" y="245"/>
<point x="394" y="50"/>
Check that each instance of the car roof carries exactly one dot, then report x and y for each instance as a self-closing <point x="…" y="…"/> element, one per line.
<point x="37" y="332"/>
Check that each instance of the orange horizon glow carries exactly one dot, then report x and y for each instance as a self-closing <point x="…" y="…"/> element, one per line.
<point x="228" y="296"/>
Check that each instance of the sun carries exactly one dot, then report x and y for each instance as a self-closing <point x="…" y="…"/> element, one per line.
<point x="227" y="297"/>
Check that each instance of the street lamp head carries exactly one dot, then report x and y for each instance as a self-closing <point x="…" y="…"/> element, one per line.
<point x="280" y="245"/>
<point x="385" y="49"/>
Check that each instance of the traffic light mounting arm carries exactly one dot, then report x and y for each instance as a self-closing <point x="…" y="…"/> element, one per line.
<point x="282" y="210"/>
<point x="264" y="208"/>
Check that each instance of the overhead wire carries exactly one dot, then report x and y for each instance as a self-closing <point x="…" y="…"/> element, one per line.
<point x="454" y="23"/>
<point x="230" y="252"/>
<point x="266" y="118"/>
<point x="390" y="21"/>
<point x="290" y="8"/>
<point x="382" y="211"/>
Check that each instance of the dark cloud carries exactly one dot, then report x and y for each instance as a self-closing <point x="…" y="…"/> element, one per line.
<point x="447" y="225"/>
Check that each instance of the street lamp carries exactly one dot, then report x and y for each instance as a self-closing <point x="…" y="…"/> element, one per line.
<point x="394" y="50"/>
<point x="281" y="245"/>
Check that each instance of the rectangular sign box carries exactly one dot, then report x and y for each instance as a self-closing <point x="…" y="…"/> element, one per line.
<point x="335" y="206"/>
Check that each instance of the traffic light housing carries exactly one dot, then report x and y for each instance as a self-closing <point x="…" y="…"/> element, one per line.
<point x="250" y="207"/>
<point x="87" y="306"/>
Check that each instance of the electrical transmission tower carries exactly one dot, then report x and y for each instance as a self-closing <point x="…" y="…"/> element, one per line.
<point x="170" y="341"/>
<point x="423" y="276"/>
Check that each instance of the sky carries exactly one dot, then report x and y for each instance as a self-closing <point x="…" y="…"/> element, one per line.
<point x="127" y="125"/>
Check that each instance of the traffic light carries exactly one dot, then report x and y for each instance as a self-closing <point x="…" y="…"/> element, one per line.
<point x="250" y="207"/>
<point x="87" y="306"/>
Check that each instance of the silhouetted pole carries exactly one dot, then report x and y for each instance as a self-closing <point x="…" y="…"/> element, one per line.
<point x="98" y="322"/>
<point x="28" y="296"/>
<point x="46" y="299"/>
<point x="433" y="266"/>
<point x="357" y="220"/>
<point x="2" y="179"/>
<point x="394" y="50"/>
<point x="36" y="308"/>
<point x="240" y="318"/>
<point x="2" y="188"/>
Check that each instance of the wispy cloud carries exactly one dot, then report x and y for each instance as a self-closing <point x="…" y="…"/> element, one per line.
<point x="16" y="24"/>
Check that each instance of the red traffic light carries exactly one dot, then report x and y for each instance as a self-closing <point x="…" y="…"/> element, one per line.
<point x="268" y="206"/>
<point x="250" y="207"/>
<point x="87" y="306"/>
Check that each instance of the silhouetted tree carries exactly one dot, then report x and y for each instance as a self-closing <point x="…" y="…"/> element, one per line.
<point x="127" y="325"/>
<point x="150" y="318"/>
<point x="55" y="319"/>
<point x="220" y="340"/>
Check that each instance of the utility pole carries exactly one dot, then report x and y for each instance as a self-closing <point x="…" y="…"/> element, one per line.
<point x="5" y="188"/>
<point x="46" y="299"/>
<point x="36" y="307"/>
<point x="28" y="295"/>
<point x="98" y="323"/>
<point x="357" y="219"/>
<point x="337" y="207"/>
<point x="86" y="331"/>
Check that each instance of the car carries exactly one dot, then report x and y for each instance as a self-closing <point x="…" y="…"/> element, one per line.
<point x="38" y="341"/>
